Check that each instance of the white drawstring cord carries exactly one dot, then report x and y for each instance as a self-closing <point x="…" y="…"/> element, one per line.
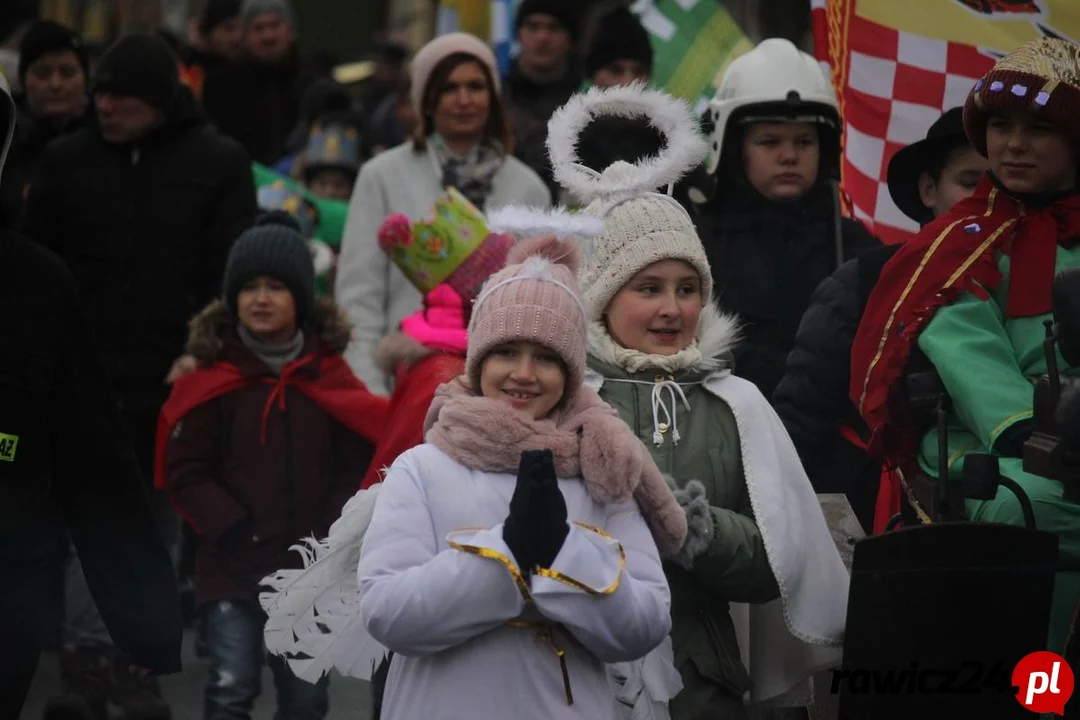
<point x="674" y="389"/>
<point x="672" y="415"/>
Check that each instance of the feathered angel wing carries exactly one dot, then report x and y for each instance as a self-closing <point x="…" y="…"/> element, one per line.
<point x="313" y="614"/>
<point x="644" y="687"/>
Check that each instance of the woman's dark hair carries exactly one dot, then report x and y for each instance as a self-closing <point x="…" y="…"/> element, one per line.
<point x="497" y="127"/>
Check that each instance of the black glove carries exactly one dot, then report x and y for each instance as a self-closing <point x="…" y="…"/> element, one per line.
<point x="536" y="526"/>
<point x="548" y="510"/>
<point x="517" y="531"/>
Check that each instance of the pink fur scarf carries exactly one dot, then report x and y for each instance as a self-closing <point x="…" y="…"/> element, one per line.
<point x="586" y="437"/>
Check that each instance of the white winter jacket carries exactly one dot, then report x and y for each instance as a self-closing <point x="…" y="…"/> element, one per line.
<point x="472" y="638"/>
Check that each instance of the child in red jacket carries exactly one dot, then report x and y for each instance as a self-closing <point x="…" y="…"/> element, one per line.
<point x="260" y="447"/>
<point x="429" y="349"/>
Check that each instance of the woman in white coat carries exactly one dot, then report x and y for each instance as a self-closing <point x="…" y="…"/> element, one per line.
<point x="462" y="139"/>
<point x="519" y="550"/>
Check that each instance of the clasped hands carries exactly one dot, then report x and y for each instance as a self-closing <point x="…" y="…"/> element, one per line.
<point x="536" y="526"/>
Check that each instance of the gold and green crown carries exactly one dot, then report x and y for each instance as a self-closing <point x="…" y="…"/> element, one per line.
<point x="429" y="251"/>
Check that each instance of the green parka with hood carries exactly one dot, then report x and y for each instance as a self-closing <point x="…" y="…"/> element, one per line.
<point x="692" y="435"/>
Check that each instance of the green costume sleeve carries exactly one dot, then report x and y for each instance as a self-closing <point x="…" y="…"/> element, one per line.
<point x="968" y="345"/>
<point x="736" y="565"/>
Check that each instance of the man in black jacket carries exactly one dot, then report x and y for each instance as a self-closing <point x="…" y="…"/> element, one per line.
<point x="541" y="78"/>
<point x="925" y="180"/>
<point x="54" y="72"/>
<point x="255" y="99"/>
<point x="143" y="204"/>
<point x="66" y="464"/>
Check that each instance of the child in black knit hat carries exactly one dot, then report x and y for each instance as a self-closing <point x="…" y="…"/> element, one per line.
<point x="620" y="51"/>
<point x="261" y="446"/>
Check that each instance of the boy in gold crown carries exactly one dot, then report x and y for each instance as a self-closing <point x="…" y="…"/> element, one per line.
<point x="972" y="292"/>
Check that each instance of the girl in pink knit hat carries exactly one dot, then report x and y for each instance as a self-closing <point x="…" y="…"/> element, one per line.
<point x="429" y="348"/>
<point x="519" y="549"/>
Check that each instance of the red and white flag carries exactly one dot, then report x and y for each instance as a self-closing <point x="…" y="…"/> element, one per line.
<point x="898" y="64"/>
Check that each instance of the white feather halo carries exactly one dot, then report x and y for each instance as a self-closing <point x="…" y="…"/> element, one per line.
<point x="684" y="145"/>
<point x="532" y="222"/>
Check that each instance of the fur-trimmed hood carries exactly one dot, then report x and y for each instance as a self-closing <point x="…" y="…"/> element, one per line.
<point x="399" y="348"/>
<point x="718" y="334"/>
<point x="207" y="330"/>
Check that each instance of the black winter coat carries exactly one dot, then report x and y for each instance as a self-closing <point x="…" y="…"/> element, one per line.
<point x="32" y="136"/>
<point x="66" y="460"/>
<point x="145" y="230"/>
<point x="767" y="258"/>
<point x="251" y="499"/>
<point x="529" y="105"/>
<point x="812" y="399"/>
<point x="257" y="105"/>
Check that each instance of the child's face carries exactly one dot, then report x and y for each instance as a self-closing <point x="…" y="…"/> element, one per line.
<point x="957" y="180"/>
<point x="267" y="309"/>
<point x="331" y="184"/>
<point x="1028" y="154"/>
<point x="657" y="311"/>
<point x="781" y="159"/>
<point x="526" y="376"/>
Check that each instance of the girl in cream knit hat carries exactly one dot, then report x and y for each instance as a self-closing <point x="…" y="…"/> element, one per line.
<point x="659" y="352"/>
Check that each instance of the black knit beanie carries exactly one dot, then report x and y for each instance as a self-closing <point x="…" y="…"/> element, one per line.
<point x="45" y="36"/>
<point x="217" y="12"/>
<point x="250" y="9"/>
<point x="619" y="36"/>
<point x="140" y="66"/>
<point x="564" y="11"/>
<point x="273" y="247"/>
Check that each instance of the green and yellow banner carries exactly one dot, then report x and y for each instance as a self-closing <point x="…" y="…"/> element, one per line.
<point x="693" y="43"/>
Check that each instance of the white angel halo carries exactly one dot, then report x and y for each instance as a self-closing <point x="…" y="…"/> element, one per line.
<point x="684" y="147"/>
<point x="528" y="222"/>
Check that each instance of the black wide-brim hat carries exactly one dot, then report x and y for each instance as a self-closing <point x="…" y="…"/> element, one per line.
<point x="909" y="162"/>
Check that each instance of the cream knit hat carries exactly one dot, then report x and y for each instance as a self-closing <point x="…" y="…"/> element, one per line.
<point x="534" y="298"/>
<point x="637" y="233"/>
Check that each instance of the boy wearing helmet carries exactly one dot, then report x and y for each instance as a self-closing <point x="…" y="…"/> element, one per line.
<point x="773" y="228"/>
<point x="973" y="290"/>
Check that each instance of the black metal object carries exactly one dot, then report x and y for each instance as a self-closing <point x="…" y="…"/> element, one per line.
<point x="1053" y="450"/>
<point x="948" y="592"/>
<point x="933" y="595"/>
<point x="982" y="478"/>
<point x="894" y="522"/>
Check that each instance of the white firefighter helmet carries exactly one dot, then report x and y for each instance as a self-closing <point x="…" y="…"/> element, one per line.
<point x="786" y="83"/>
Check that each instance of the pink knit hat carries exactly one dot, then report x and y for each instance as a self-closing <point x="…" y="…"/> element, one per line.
<point x="534" y="298"/>
<point x="442" y="47"/>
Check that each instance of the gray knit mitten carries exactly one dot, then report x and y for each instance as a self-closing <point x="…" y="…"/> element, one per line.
<point x="700" y="526"/>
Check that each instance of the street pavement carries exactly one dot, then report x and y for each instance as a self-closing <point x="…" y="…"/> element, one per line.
<point x="350" y="699"/>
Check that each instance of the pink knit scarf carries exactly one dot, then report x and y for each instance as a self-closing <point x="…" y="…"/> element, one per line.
<point x="586" y="437"/>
